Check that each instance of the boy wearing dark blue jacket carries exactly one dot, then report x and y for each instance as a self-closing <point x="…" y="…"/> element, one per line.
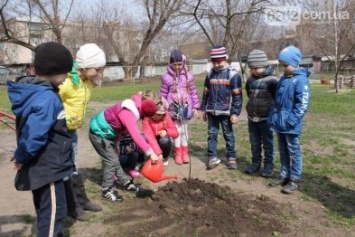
<point x="42" y="158"/>
<point x="221" y="105"/>
<point x="286" y="117"/>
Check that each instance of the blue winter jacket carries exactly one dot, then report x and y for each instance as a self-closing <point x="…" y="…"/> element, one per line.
<point x="291" y="103"/>
<point x="222" y="93"/>
<point x="43" y="140"/>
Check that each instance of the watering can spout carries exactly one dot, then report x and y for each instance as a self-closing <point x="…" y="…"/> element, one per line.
<point x="154" y="172"/>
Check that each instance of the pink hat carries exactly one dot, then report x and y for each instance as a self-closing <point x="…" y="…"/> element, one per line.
<point x="148" y="108"/>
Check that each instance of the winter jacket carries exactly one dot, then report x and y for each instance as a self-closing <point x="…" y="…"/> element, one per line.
<point x="186" y="91"/>
<point x="291" y="103"/>
<point x="151" y="128"/>
<point x="43" y="140"/>
<point x="261" y="93"/>
<point x="222" y="93"/>
<point x="75" y="99"/>
<point x="121" y="117"/>
<point x="127" y="141"/>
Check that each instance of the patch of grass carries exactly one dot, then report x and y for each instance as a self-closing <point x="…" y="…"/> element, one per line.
<point x="28" y="219"/>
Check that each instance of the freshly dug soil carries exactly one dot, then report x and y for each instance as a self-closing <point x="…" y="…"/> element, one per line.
<point x="198" y="208"/>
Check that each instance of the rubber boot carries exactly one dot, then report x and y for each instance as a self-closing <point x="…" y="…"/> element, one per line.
<point x="80" y="193"/>
<point x="178" y="156"/>
<point x="185" y="154"/>
<point x="74" y="208"/>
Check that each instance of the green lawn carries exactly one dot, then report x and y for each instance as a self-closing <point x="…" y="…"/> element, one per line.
<point x="328" y="143"/>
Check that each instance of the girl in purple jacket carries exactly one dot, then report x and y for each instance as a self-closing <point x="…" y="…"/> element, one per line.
<point x="179" y="89"/>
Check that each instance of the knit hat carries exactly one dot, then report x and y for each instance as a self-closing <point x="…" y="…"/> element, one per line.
<point x="177" y="56"/>
<point x="163" y="106"/>
<point x="90" y="56"/>
<point x="257" y="58"/>
<point x="52" y="58"/>
<point x="291" y="55"/>
<point x="218" y="51"/>
<point x="148" y="108"/>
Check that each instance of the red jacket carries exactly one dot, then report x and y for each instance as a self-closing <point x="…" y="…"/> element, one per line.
<point x="151" y="128"/>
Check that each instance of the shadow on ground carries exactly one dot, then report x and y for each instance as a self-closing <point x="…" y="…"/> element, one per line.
<point x="331" y="195"/>
<point x="28" y="220"/>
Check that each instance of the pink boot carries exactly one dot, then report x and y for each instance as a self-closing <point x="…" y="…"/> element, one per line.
<point x="185" y="154"/>
<point x="178" y="156"/>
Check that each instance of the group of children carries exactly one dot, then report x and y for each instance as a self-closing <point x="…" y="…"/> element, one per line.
<point x="50" y="106"/>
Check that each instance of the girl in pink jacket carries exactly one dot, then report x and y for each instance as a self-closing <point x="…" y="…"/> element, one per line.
<point x="179" y="89"/>
<point x="159" y="130"/>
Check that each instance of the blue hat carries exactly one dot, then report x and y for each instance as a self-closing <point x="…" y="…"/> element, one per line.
<point x="291" y="55"/>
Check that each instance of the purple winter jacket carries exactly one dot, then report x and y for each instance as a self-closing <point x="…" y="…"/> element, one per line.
<point x="167" y="89"/>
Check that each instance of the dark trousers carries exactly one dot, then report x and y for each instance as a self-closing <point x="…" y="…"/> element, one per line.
<point x="261" y="136"/>
<point x="213" y="127"/>
<point x="129" y="161"/>
<point x="51" y="209"/>
<point x="165" y="145"/>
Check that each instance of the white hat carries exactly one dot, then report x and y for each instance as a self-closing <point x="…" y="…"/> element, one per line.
<point x="90" y="56"/>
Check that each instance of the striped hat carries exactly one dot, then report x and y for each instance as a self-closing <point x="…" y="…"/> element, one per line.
<point x="257" y="58"/>
<point x="218" y="51"/>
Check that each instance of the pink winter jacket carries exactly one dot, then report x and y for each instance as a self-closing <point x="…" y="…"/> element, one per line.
<point x="124" y="116"/>
<point x="184" y="77"/>
<point x="151" y="129"/>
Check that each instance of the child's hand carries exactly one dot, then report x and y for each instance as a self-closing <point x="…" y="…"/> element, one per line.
<point x="129" y="149"/>
<point x="17" y="166"/>
<point x="154" y="158"/>
<point x="234" y="119"/>
<point x="204" y="116"/>
<point x="162" y="133"/>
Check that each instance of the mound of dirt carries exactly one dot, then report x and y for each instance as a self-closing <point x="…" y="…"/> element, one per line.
<point x="198" y="208"/>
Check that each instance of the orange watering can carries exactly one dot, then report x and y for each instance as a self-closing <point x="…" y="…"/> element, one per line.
<point x="154" y="172"/>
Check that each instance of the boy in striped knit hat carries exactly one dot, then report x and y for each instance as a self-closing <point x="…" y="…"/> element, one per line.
<point x="221" y="104"/>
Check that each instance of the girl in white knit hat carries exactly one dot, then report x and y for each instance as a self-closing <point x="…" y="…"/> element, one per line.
<point x="75" y="93"/>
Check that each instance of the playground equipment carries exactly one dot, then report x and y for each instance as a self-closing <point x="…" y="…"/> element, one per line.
<point x="7" y="119"/>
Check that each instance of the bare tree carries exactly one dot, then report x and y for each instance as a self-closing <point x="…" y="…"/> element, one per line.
<point x="50" y="13"/>
<point x="157" y="12"/>
<point x="225" y="21"/>
<point x="7" y="35"/>
<point x="331" y="31"/>
<point x="54" y="15"/>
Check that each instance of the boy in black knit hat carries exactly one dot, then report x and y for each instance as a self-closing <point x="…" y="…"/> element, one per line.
<point x="260" y="87"/>
<point x="42" y="158"/>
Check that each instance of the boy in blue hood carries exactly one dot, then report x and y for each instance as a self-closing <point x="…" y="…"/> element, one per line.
<point x="43" y="155"/>
<point x="286" y="118"/>
<point x="261" y="88"/>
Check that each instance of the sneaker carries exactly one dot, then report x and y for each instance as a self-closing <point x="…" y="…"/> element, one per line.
<point x="90" y="206"/>
<point x="130" y="186"/>
<point x="213" y="162"/>
<point x="111" y="194"/>
<point x="253" y="168"/>
<point x="165" y="162"/>
<point x="291" y="186"/>
<point x="134" y="173"/>
<point x="279" y="181"/>
<point x="267" y="171"/>
<point x="232" y="164"/>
